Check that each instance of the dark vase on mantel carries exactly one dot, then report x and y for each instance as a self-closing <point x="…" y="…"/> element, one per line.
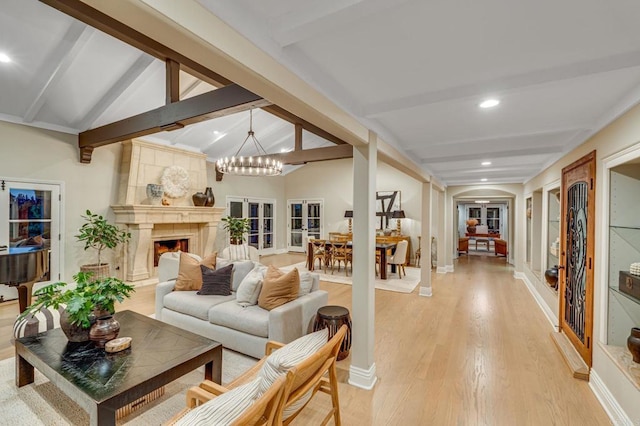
<point x="633" y="343"/>
<point x="210" y="198"/>
<point x="199" y="199"/>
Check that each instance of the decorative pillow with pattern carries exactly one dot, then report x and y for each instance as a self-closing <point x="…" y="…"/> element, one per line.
<point x="189" y="272"/>
<point x="278" y="288"/>
<point x="287" y="357"/>
<point x="224" y="409"/>
<point x="216" y="282"/>
<point x="40" y="321"/>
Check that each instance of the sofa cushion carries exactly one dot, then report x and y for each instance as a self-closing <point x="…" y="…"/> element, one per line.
<point x="189" y="273"/>
<point x="240" y="270"/>
<point x="251" y="319"/>
<point x="278" y="288"/>
<point x="216" y="281"/>
<point x="189" y="303"/>
<point x="249" y="288"/>
<point x="226" y="408"/>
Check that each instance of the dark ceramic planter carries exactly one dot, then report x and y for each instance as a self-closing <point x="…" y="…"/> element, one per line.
<point x="211" y="200"/>
<point x="74" y="333"/>
<point x="633" y="343"/>
<point x="551" y="275"/>
<point x="199" y="199"/>
<point x="106" y="328"/>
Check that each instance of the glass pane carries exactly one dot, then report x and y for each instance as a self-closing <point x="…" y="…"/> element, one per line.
<point x="254" y="224"/>
<point x="296" y="210"/>
<point x="314" y="225"/>
<point x="313" y="210"/>
<point x="314" y="235"/>
<point x="296" y="239"/>
<point x="253" y="240"/>
<point x="30" y="234"/>
<point x="268" y="210"/>
<point x="235" y="209"/>
<point x="268" y="225"/>
<point x="267" y="241"/>
<point x="254" y="209"/>
<point x="296" y="224"/>
<point x="29" y="204"/>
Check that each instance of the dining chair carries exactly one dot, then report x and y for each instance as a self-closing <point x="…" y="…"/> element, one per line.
<point x="320" y="252"/>
<point x="399" y="257"/>
<point x="340" y="253"/>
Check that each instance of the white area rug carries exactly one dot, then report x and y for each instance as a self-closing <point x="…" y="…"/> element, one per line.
<point x="41" y="403"/>
<point x="405" y="285"/>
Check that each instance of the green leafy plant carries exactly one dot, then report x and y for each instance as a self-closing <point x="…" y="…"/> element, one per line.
<point x="89" y="295"/>
<point x="99" y="234"/>
<point x="236" y="227"/>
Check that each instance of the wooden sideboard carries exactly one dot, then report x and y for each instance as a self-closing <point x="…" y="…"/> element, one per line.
<point x="495" y="236"/>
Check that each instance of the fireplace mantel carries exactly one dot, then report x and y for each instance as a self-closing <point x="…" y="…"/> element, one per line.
<point x="149" y="222"/>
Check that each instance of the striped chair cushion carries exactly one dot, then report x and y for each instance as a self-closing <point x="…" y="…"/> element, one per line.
<point x="224" y="409"/>
<point x="37" y="322"/>
<point x="290" y="355"/>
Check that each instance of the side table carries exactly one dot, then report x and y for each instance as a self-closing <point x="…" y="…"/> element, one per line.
<point x="333" y="317"/>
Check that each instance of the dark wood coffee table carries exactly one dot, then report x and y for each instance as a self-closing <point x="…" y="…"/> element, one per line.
<point x="101" y="382"/>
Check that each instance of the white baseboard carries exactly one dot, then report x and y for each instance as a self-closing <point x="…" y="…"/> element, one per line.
<point x="613" y="409"/>
<point x="426" y="291"/>
<point x="441" y="270"/>
<point x="449" y="268"/>
<point x="361" y="378"/>
<point x="539" y="300"/>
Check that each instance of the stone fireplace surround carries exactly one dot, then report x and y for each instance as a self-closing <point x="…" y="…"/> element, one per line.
<point x="143" y="163"/>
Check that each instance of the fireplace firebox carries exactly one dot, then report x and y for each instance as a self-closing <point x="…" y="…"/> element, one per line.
<point x="164" y="246"/>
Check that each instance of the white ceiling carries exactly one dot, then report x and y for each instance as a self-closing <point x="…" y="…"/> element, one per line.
<point x="413" y="71"/>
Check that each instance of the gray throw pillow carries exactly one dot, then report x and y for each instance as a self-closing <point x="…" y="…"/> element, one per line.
<point x="216" y="282"/>
<point x="240" y="270"/>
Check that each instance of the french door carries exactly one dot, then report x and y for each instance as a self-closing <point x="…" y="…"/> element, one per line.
<point x="261" y="215"/>
<point x="304" y="220"/>
<point x="30" y="217"/>
<point x="577" y="249"/>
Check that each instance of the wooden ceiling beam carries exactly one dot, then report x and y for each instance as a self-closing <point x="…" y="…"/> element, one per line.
<point x="314" y="154"/>
<point x="219" y="102"/>
<point x="173" y="81"/>
<point x="283" y="114"/>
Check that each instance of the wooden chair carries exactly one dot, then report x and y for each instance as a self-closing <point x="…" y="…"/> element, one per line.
<point x="316" y="373"/>
<point x="418" y="252"/>
<point x="340" y="253"/>
<point x="320" y="252"/>
<point x="500" y="247"/>
<point x="262" y="412"/>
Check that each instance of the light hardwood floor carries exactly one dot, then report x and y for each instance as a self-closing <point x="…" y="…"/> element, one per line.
<point x="476" y="353"/>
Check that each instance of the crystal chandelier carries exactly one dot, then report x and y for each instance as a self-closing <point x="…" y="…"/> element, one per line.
<point x="249" y="166"/>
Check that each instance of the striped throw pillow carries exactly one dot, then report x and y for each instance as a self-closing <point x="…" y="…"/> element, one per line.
<point x="287" y="357"/>
<point x="37" y="322"/>
<point x="224" y="409"/>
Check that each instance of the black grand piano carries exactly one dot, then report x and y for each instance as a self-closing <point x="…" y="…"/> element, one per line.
<point x="22" y="267"/>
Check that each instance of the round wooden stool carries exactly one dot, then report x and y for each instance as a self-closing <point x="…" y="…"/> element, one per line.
<point x="332" y="317"/>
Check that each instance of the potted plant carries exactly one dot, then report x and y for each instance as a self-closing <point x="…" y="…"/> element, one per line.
<point x="98" y="234"/>
<point x="236" y="227"/>
<point x="90" y="299"/>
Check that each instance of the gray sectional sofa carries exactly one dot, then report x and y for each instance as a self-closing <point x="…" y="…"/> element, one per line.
<point x="221" y="318"/>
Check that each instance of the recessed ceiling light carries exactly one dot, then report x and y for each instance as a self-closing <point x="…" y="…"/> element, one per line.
<point x="489" y="103"/>
<point x="4" y="58"/>
<point x="486" y="163"/>
<point x="216" y="132"/>
<point x="483" y="180"/>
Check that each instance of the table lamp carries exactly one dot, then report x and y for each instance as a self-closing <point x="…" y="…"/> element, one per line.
<point x="348" y="214"/>
<point x="398" y="214"/>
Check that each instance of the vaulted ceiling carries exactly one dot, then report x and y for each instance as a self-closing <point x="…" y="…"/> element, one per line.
<point x="413" y="71"/>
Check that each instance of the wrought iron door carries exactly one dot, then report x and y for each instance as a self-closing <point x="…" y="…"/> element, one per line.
<point x="576" y="280"/>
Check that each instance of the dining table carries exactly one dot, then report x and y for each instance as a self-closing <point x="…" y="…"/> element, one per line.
<point x="381" y="248"/>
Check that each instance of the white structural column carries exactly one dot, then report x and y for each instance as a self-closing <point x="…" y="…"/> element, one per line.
<point x="447" y="225"/>
<point x="362" y="372"/>
<point x="445" y="255"/>
<point x="425" y="243"/>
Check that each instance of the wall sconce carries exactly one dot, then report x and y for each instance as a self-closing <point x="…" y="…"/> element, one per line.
<point x="348" y="214"/>
<point x="398" y="214"/>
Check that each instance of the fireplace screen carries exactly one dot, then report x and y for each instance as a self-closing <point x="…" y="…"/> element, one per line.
<point x="160" y="247"/>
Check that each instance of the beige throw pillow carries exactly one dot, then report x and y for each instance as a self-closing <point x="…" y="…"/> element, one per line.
<point x="278" y="288"/>
<point x="189" y="273"/>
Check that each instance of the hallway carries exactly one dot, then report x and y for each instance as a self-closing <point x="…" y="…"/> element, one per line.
<point x="477" y="353"/>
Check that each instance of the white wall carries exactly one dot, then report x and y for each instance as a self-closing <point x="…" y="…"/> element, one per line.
<point x="27" y="152"/>
<point x="332" y="181"/>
